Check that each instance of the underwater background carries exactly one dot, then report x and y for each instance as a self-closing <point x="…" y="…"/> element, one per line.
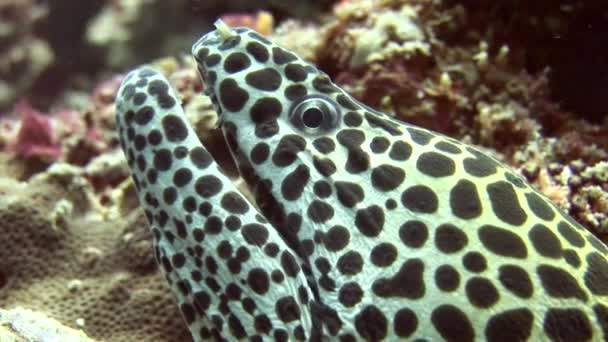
<point x="526" y="81"/>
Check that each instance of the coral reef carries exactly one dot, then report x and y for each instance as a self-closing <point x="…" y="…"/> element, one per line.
<point x="23" y="55"/>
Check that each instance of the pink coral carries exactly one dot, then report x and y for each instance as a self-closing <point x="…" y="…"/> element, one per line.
<point x="36" y="137"/>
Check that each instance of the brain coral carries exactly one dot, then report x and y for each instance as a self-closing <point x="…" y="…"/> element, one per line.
<point x="58" y="258"/>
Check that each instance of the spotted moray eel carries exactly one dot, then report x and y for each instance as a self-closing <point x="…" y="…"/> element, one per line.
<point x="364" y="227"/>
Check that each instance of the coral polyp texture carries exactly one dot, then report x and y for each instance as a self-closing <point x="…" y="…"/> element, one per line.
<point x="366" y="227"/>
<point x="77" y="257"/>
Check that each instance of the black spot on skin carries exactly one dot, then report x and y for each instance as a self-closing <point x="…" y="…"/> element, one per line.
<point x="178" y="260"/>
<point x="295" y="92"/>
<point x="165" y="101"/>
<point x="213" y="225"/>
<point x="419" y="136"/>
<point x="236" y="328"/>
<point x="236" y="62"/>
<point x="163" y="159"/>
<point x="413" y="233"/>
<point x="502" y="242"/>
<point x="505" y="203"/>
<point x="435" y="164"/>
<point x="180" y="152"/>
<point x="370" y="220"/>
<point x="390" y="204"/>
<point x="287" y="309"/>
<point x="188" y="312"/>
<point x="294" y="183"/>
<point x="336" y="238"/>
<point x="540" y="207"/>
<point x="324" y="166"/>
<point x="258" y="51"/>
<point x="383" y="255"/>
<point x="200" y="157"/>
<point x="287" y="149"/>
<point x="475" y="262"/>
<point x="140" y="143"/>
<point x="189" y="204"/>
<point x="379" y="144"/>
<point x="182" y="176"/>
<point x="346" y="102"/>
<point x="324" y="145"/>
<point x="155" y="137"/>
<point x="450" y="239"/>
<point x="545" y="241"/>
<point x="201" y="54"/>
<point x="258" y="280"/>
<point x="350" y="263"/>
<point x="387" y="177"/>
<point x="601" y="312"/>
<point x="224" y="249"/>
<point x="384" y="124"/>
<point x="144" y="115"/>
<point x="205" y="209"/>
<point x="255" y="234"/>
<point x="481" y="292"/>
<point x="289" y="264"/>
<point x="572" y="258"/>
<point x="322" y="189"/>
<point x="267" y="79"/>
<point x="266" y="129"/>
<point x="324" y="85"/>
<point x="212" y="60"/>
<point x="515" y="180"/>
<point x="447" y="147"/>
<point x="282" y="56"/>
<point x="232" y="96"/>
<point x="295" y="72"/>
<point x="319" y="211"/>
<point x="208" y="186"/>
<point x="229" y="43"/>
<point x="400" y="151"/>
<point x="352" y="119"/>
<point x="510" y="325"/>
<point x="464" y="200"/>
<point x="260" y="153"/>
<point x="405" y="322"/>
<point x="158" y="87"/>
<point x="201" y="300"/>
<point x="262" y="324"/>
<point x="570" y="234"/>
<point x="259" y="38"/>
<point x="452" y="324"/>
<point x="480" y="166"/>
<point x="234" y="203"/>
<point x="357" y="161"/>
<point x="350" y="294"/>
<point x="405" y="283"/>
<point x="567" y="325"/>
<point x="265" y="109"/>
<point x="559" y="284"/>
<point x="349" y="194"/>
<point x="371" y="324"/>
<point x="146" y="72"/>
<point x="596" y="277"/>
<point x="420" y="198"/>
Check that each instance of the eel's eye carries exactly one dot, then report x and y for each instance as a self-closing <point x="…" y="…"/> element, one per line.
<point x="314" y="114"/>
